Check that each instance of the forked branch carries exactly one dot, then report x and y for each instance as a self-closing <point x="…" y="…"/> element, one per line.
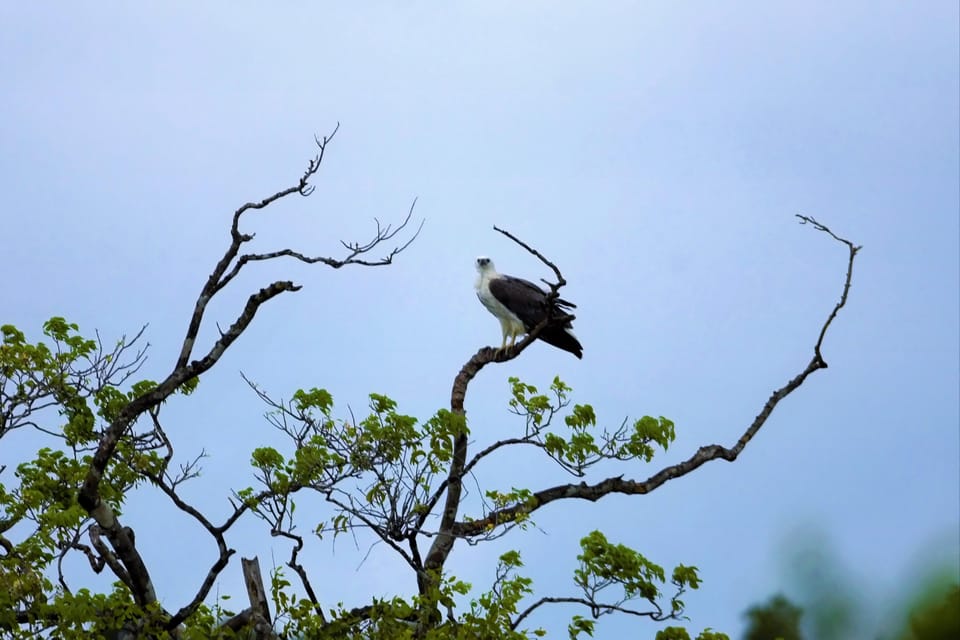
<point x="593" y="492"/>
<point x="186" y="369"/>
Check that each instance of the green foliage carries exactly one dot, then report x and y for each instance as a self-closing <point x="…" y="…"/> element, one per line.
<point x="647" y="430"/>
<point x="580" y="446"/>
<point x="74" y="378"/>
<point x="777" y="618"/>
<point x="710" y="634"/>
<point x="85" y="615"/>
<point x="603" y="564"/>
<point x="579" y="625"/>
<point x="442" y="430"/>
<point x="383" y="472"/>
<point x="91" y="615"/>
<point x="679" y="633"/>
<point x="935" y="617"/>
<point x="832" y="601"/>
<point x="382" y="451"/>
<point x="319" y="399"/>
<point x="823" y="587"/>
<point x="491" y="614"/>
<point x="36" y="375"/>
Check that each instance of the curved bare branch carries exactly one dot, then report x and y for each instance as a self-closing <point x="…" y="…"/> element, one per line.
<point x="593" y="492"/>
<point x="596" y="609"/>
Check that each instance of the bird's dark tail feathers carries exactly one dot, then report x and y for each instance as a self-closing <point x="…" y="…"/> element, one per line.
<point x="558" y="336"/>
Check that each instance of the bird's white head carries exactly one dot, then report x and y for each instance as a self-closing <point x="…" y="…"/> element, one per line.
<point x="485" y="265"/>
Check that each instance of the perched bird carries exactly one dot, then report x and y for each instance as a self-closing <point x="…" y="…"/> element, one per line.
<point x="521" y="305"/>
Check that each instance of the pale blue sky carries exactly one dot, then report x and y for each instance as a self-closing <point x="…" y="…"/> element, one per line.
<point x="656" y="151"/>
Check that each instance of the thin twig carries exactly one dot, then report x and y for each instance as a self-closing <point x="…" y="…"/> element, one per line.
<point x="853" y="249"/>
<point x="560" y="281"/>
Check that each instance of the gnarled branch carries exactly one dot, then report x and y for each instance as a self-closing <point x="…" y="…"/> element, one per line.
<point x="186" y="369"/>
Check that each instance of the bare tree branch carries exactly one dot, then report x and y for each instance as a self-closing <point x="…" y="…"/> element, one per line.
<point x="560" y="281"/>
<point x="584" y="491"/>
<point x="223" y="551"/>
<point x="846" y="286"/>
<point x="186" y="370"/>
<point x="215" y="282"/>
<point x="596" y="609"/>
<point x="107" y="557"/>
<point x="296" y="566"/>
<point x="356" y="249"/>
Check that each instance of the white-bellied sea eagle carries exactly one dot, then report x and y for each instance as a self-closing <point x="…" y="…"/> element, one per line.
<point x="521" y="305"/>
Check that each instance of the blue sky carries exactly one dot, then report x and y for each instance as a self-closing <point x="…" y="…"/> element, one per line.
<point x="657" y="152"/>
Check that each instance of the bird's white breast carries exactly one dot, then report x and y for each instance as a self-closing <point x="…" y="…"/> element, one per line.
<point x="493" y="305"/>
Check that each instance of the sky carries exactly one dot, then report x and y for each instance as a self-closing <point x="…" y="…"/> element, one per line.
<point x="656" y="152"/>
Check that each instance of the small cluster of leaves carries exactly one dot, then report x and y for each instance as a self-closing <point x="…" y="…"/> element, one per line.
<point x="679" y="633"/>
<point x="524" y="497"/>
<point x="391" y="459"/>
<point x="605" y="566"/>
<point x="492" y="613"/>
<point x="34" y="377"/>
<point x="579" y="447"/>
